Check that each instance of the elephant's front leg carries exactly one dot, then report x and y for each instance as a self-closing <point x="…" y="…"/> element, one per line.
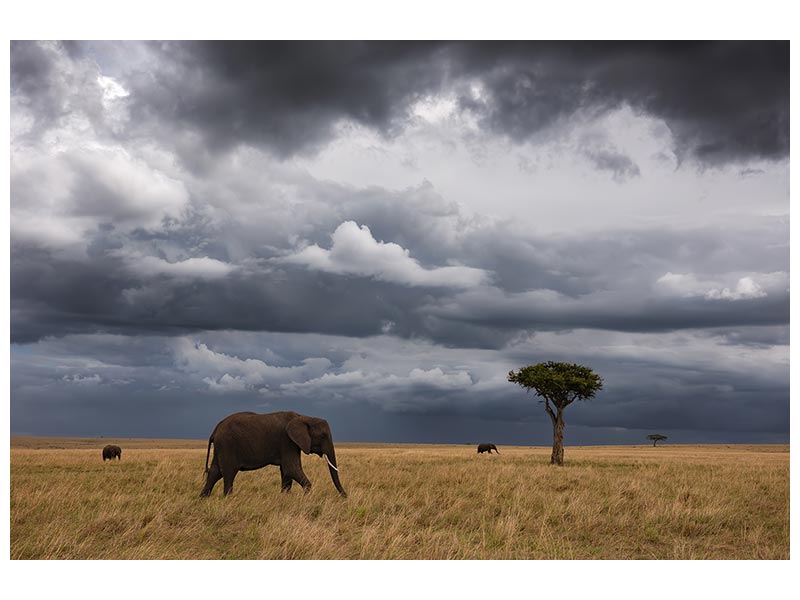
<point x="286" y="481"/>
<point x="301" y="478"/>
<point x="292" y="468"/>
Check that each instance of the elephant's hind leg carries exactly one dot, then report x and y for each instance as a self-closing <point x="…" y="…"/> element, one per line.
<point x="226" y="459"/>
<point x="212" y="477"/>
<point x="228" y="476"/>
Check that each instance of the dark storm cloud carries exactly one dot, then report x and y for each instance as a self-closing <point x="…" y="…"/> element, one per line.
<point x="52" y="296"/>
<point x="285" y="95"/>
<point x="723" y="101"/>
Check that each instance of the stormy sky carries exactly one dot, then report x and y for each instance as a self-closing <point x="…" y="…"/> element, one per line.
<point x="376" y="233"/>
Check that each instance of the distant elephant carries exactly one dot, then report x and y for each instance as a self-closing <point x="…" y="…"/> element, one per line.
<point x="247" y="441"/>
<point x="111" y="452"/>
<point x="487" y="448"/>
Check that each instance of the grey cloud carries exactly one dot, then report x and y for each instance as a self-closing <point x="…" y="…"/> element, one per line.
<point x="606" y="282"/>
<point x="618" y="311"/>
<point x="697" y="387"/>
<point x="51" y="87"/>
<point x="757" y="337"/>
<point x="620" y="166"/>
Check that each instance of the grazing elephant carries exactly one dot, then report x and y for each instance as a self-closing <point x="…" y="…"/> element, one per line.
<point x="111" y="452"/>
<point x="487" y="448"/>
<point x="247" y="441"/>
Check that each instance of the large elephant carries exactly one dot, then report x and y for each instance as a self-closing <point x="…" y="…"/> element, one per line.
<point x="487" y="448"/>
<point x="247" y="441"/>
<point x="111" y="452"/>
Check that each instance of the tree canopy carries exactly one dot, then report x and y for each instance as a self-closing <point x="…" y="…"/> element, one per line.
<point x="558" y="383"/>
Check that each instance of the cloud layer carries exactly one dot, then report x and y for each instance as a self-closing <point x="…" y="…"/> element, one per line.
<point x="390" y="227"/>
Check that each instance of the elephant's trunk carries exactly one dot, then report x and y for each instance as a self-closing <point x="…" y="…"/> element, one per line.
<point x="330" y="458"/>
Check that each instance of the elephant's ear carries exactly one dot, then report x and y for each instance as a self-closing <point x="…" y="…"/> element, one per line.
<point x="298" y="433"/>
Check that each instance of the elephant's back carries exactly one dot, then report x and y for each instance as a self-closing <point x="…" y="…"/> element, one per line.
<point x="247" y="420"/>
<point x="249" y="425"/>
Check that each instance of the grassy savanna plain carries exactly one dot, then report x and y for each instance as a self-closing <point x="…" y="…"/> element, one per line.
<point x="405" y="502"/>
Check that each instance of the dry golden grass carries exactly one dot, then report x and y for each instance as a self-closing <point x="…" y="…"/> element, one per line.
<point x="405" y="502"/>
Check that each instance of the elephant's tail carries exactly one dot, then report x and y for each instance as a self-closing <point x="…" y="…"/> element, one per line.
<point x="208" y="452"/>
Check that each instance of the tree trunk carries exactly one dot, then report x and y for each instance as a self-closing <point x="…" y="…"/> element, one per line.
<point x="654" y="443"/>
<point x="557" y="457"/>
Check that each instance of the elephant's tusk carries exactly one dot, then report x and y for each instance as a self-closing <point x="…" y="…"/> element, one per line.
<point x="330" y="464"/>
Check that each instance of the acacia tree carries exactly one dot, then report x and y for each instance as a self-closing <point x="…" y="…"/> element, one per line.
<point x="656" y="437"/>
<point x="559" y="384"/>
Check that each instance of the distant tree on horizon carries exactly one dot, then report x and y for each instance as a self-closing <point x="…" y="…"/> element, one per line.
<point x="559" y="384"/>
<point x="656" y="437"/>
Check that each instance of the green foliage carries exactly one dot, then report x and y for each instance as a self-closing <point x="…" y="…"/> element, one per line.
<point x="558" y="382"/>
<point x="656" y="437"/>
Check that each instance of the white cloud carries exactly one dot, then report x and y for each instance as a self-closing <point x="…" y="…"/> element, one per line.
<point x="435" y="108"/>
<point x="226" y="383"/>
<point x="335" y="380"/>
<point x="688" y="285"/>
<point x="111" y="88"/>
<point x="60" y="193"/>
<point x="113" y="100"/>
<point x="230" y="372"/>
<point x="683" y="285"/>
<point x="437" y="378"/>
<point x="745" y="289"/>
<point x="192" y="268"/>
<point x="355" y="252"/>
<point x="81" y="380"/>
<point x="434" y="378"/>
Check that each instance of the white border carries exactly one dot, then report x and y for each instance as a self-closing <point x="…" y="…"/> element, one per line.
<point x="409" y="19"/>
